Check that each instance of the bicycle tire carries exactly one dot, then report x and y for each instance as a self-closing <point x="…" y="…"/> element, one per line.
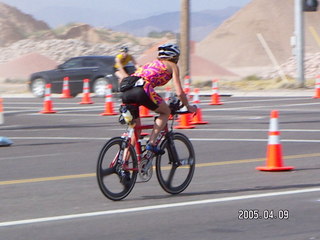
<point x="172" y="178"/>
<point x="112" y="181"/>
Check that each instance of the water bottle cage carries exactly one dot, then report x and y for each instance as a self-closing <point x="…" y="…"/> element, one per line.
<point x="128" y="108"/>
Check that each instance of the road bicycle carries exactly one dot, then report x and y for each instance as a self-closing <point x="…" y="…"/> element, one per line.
<point x="122" y="159"/>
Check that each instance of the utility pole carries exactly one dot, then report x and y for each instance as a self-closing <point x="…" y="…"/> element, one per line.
<point x="185" y="38"/>
<point x="299" y="38"/>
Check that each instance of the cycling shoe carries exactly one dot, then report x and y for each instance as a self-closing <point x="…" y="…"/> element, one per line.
<point x="125" y="178"/>
<point x="154" y="149"/>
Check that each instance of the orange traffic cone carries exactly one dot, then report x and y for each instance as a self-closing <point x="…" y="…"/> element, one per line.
<point x="317" y="87"/>
<point x="144" y="112"/>
<point x="197" y="119"/>
<point x="274" y="151"/>
<point x="86" y="93"/>
<point x="108" y="102"/>
<point x="65" y="88"/>
<point x="215" y="98"/>
<point x="184" y="122"/>
<point x="47" y="104"/>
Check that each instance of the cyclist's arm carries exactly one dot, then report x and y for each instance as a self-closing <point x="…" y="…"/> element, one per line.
<point x="178" y="87"/>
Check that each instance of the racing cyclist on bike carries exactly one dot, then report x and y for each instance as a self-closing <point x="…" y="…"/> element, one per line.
<point x="121" y="63"/>
<point x="153" y="74"/>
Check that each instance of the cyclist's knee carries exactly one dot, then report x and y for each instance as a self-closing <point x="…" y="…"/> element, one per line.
<point x="163" y="109"/>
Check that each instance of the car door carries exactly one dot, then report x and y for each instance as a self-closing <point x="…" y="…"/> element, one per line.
<point x="74" y="70"/>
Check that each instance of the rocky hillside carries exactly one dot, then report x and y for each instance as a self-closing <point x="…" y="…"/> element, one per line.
<point x="234" y="44"/>
<point x="22" y="35"/>
<point x="16" y="25"/>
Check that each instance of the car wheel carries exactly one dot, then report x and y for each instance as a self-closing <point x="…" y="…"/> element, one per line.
<point x="99" y="87"/>
<point x="38" y="86"/>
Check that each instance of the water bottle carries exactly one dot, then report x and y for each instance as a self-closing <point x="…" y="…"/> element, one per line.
<point x="127" y="116"/>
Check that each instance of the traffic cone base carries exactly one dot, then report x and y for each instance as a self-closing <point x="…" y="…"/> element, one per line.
<point x="274" y="160"/>
<point x="47" y="108"/>
<point x="86" y="100"/>
<point x="274" y="169"/>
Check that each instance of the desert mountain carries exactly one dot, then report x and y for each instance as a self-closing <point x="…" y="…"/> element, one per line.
<point x="202" y="23"/>
<point x="16" y="25"/>
<point x="234" y="44"/>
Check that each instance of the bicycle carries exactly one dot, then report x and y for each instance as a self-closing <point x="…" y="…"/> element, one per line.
<point x="121" y="161"/>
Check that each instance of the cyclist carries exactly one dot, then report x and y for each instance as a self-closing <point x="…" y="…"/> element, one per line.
<point x="121" y="63"/>
<point x="157" y="73"/>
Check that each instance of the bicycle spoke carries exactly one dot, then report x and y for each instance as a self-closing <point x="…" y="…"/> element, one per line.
<point x="107" y="171"/>
<point x="171" y="176"/>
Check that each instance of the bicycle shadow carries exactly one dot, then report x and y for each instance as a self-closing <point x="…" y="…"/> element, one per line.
<point x="229" y="191"/>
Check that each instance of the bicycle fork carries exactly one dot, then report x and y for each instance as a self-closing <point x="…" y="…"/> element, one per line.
<point x="174" y="157"/>
<point x="173" y="154"/>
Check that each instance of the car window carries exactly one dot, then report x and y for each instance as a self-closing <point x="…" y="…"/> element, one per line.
<point x="73" y="63"/>
<point x="90" y="63"/>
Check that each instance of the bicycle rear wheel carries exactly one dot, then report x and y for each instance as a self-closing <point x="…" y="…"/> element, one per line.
<point x="174" y="176"/>
<point x="117" y="169"/>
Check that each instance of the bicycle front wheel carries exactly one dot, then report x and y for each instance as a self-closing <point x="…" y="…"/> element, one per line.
<point x="117" y="169"/>
<point x="175" y="175"/>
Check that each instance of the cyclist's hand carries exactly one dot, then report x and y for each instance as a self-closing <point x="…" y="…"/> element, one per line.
<point x="192" y="108"/>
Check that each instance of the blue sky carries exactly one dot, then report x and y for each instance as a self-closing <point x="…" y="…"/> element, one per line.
<point x="115" y="11"/>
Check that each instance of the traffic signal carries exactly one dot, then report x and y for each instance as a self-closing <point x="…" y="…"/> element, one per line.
<point x="310" y="5"/>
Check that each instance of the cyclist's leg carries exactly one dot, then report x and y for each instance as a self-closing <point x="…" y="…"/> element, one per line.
<point x="160" y="122"/>
<point x="152" y="101"/>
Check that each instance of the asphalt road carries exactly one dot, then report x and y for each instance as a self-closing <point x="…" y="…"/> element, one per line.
<point x="49" y="191"/>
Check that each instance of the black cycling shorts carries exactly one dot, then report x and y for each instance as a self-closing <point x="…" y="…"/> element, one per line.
<point x="137" y="95"/>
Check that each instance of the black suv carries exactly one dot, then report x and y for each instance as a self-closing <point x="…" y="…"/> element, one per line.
<point x="98" y="69"/>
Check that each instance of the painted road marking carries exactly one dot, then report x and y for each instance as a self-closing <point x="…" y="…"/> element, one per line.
<point x="30" y="156"/>
<point x="198" y="165"/>
<point x="192" y="139"/>
<point x="155" y="207"/>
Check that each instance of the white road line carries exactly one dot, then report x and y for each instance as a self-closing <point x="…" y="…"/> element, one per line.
<point x="9" y="128"/>
<point x="60" y="138"/>
<point x="252" y="140"/>
<point x="192" y="139"/>
<point x="249" y="130"/>
<point x="30" y="156"/>
<point x="155" y="207"/>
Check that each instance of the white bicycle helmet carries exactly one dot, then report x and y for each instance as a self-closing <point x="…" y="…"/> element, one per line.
<point x="168" y="50"/>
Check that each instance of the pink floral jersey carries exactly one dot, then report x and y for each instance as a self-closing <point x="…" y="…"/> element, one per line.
<point x="155" y="74"/>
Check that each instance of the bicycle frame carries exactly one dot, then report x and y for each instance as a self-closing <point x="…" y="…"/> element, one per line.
<point x="135" y="131"/>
